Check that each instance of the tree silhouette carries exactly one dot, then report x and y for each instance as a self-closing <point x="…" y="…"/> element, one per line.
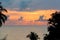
<point x="33" y="36"/>
<point x="3" y="17"/>
<point x="54" y="27"/>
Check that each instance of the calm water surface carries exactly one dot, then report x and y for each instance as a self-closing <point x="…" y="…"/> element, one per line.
<point x="20" y="32"/>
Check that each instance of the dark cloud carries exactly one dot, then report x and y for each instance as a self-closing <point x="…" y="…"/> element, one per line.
<point x="45" y="4"/>
<point x="24" y="4"/>
<point x="33" y="4"/>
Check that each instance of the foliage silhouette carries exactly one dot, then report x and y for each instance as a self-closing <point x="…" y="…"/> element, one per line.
<point x="33" y="36"/>
<point x="54" y="27"/>
<point x="3" y="17"/>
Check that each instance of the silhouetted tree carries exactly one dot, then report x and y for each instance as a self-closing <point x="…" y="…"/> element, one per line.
<point x="54" y="27"/>
<point x="33" y="36"/>
<point x="3" y="17"/>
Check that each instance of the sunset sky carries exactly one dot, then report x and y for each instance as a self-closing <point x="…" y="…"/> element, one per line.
<point x="27" y="12"/>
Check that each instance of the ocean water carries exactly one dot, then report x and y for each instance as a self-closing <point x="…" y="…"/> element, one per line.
<point x="20" y="32"/>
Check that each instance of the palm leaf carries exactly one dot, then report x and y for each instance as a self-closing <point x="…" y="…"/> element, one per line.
<point x="0" y="23"/>
<point x="5" y="10"/>
<point x="3" y="18"/>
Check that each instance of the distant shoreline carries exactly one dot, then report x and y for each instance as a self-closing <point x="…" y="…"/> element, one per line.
<point x="23" y="25"/>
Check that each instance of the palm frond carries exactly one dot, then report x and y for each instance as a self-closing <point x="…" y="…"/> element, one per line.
<point x="4" y="16"/>
<point x="2" y="19"/>
<point x="5" y="10"/>
<point x="0" y="23"/>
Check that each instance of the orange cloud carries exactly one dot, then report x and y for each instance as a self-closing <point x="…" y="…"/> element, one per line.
<point x="29" y="16"/>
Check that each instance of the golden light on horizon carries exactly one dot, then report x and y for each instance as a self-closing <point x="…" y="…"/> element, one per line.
<point x="34" y="15"/>
<point x="29" y="16"/>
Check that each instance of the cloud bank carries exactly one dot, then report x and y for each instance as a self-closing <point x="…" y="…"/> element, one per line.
<point x="32" y="4"/>
<point x="16" y="4"/>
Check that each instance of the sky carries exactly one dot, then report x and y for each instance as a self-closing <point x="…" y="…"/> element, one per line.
<point x="38" y="17"/>
<point x="32" y="4"/>
<point x="29" y="11"/>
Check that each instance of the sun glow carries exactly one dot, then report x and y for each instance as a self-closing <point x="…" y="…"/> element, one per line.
<point x="29" y="17"/>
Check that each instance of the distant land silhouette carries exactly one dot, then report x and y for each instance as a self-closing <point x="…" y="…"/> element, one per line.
<point x="41" y="18"/>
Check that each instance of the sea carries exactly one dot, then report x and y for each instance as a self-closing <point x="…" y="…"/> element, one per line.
<point x="20" y="32"/>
